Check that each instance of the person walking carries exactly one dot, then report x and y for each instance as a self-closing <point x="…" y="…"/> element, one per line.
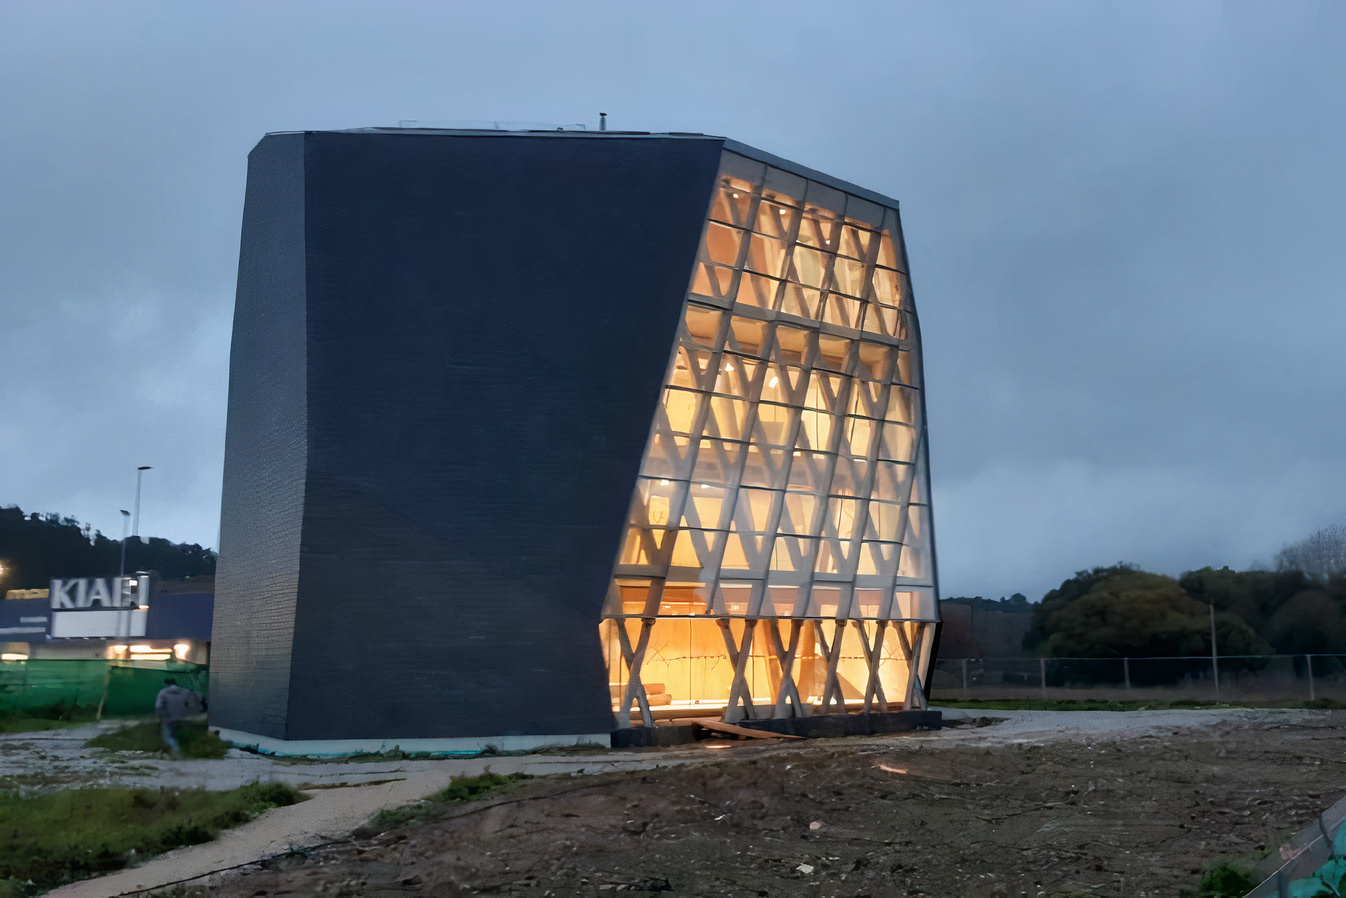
<point x="172" y="705"/>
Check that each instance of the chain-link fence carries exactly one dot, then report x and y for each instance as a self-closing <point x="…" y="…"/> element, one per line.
<point x="1248" y="678"/>
<point x="120" y="688"/>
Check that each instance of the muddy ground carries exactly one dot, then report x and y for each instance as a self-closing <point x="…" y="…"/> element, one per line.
<point x="972" y="812"/>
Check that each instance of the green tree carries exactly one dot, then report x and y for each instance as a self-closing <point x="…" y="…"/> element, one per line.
<point x="34" y="548"/>
<point x="1121" y="611"/>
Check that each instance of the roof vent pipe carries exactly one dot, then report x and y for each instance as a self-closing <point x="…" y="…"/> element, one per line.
<point x="602" y="121"/>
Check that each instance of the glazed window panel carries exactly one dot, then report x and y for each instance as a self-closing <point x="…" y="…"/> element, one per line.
<point x="707" y="507"/>
<point x="793" y="554"/>
<point x="810" y="267"/>
<point x="818" y="230"/>
<point x="657" y="502"/>
<point x="775" y="425"/>
<point x="887" y="251"/>
<point x="898" y="442"/>
<point x="875" y="361"/>
<point x="855" y="242"/>
<point x="748" y="336"/>
<point x="753" y="511"/>
<point x="669" y="456"/>
<point x="843" y="311"/>
<point x="800" y="513"/>
<point x="718" y="463"/>
<point x="800" y="301"/>
<point x="810" y="471"/>
<point x="890" y="481"/>
<point x="757" y="290"/>
<point x="722" y="244"/>
<point x="848" y="276"/>
<point x="765" y="467"/>
<point x="785" y="384"/>
<point x="701" y="326"/>
<point x="766" y="255"/>
<point x="733" y="203"/>
<point x="883" y="320"/>
<point x="737" y="375"/>
<point x="728" y="418"/>
<point x="851" y="477"/>
<point x="885" y="521"/>
<point x="887" y="287"/>
<point x="776" y="219"/>
<point x="681" y="409"/>
<point x="794" y="345"/>
<point x="691" y="367"/>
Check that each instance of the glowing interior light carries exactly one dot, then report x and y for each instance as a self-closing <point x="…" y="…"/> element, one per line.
<point x="12" y="656"/>
<point x="142" y="648"/>
<point x="705" y="486"/>
<point x="774" y="381"/>
<point x="736" y="196"/>
<point x="663" y="483"/>
<point x="729" y="367"/>
<point x="797" y="453"/>
<point x="181" y="649"/>
<point x="119" y="648"/>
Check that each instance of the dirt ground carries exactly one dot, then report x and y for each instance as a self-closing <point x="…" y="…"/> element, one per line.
<point x="1004" y="810"/>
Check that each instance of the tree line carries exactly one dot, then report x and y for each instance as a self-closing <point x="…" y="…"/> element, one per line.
<point x="35" y="548"/>
<point x="1122" y="611"/>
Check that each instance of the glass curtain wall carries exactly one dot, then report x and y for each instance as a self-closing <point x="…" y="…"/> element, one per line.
<point x="778" y="558"/>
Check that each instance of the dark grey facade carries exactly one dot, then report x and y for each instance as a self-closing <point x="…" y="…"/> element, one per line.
<point x="447" y="351"/>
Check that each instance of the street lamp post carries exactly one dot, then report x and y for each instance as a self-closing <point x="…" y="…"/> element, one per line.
<point x="135" y="524"/>
<point x="126" y="521"/>
<point x="1214" y="654"/>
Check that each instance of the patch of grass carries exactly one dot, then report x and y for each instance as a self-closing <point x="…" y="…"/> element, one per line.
<point x="1224" y="880"/>
<point x="461" y="789"/>
<point x="1071" y="704"/>
<point x="196" y="739"/>
<point x="53" y="717"/>
<point x="1076" y="704"/>
<point x="63" y="836"/>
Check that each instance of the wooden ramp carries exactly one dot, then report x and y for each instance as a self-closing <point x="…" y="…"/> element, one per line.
<point x="719" y="726"/>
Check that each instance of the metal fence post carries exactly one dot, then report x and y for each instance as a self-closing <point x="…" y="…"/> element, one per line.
<point x="965" y="675"/>
<point x="1308" y="660"/>
<point x="1042" y="672"/>
<point x="1126" y="671"/>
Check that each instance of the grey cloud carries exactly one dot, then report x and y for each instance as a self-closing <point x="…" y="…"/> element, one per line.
<point x="1123" y="219"/>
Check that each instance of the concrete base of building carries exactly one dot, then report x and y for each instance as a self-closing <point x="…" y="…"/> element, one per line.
<point x="832" y="725"/>
<point x="472" y="745"/>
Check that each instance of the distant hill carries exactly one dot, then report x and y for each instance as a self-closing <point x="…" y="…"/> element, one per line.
<point x="1015" y="604"/>
<point x="34" y="548"/>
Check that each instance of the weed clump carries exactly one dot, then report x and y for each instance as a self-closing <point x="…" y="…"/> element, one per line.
<point x="460" y="789"/>
<point x="196" y="739"/>
<point x="1225" y="880"/>
<point x="51" y="717"/>
<point x="63" y="836"/>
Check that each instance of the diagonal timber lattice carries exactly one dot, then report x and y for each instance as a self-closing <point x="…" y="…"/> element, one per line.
<point x="778" y="558"/>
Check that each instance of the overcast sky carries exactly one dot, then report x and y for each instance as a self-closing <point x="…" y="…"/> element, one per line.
<point x="1125" y="223"/>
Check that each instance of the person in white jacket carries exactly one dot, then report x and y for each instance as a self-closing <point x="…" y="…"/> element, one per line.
<point x="173" y="704"/>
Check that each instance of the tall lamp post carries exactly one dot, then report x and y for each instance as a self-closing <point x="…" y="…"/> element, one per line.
<point x="1214" y="655"/>
<point x="122" y="618"/>
<point x="135" y="523"/>
<point x="126" y="523"/>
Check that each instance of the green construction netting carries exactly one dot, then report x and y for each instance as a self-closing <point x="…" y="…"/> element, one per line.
<point x="129" y="686"/>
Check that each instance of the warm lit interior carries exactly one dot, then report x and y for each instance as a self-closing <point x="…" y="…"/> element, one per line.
<point x="783" y="499"/>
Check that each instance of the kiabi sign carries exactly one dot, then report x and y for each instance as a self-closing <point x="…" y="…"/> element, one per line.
<point x="99" y="593"/>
